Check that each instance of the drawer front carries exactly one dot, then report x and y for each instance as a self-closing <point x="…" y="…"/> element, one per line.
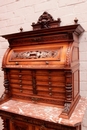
<point x="42" y="84"/>
<point x="21" y="82"/>
<point x="50" y="83"/>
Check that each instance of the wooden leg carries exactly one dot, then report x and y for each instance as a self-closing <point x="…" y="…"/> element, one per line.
<point x="5" y="123"/>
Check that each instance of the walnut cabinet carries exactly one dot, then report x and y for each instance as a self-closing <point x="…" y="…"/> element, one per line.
<point x="41" y="77"/>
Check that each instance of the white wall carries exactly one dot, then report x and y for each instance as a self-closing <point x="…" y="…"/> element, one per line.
<point x="21" y="13"/>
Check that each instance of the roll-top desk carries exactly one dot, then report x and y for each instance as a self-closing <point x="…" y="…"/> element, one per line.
<point x="41" y="78"/>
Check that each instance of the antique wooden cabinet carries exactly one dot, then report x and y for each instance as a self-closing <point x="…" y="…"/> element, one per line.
<point x="41" y="77"/>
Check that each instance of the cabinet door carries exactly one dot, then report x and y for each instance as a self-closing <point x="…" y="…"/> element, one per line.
<point x="17" y="125"/>
<point x="42" y="127"/>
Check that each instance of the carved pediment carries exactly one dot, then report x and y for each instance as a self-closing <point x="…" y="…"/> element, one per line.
<point x="46" y="21"/>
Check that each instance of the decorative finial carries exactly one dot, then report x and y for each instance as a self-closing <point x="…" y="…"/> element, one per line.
<point x="76" y="20"/>
<point x="21" y="29"/>
<point x="33" y="23"/>
<point x="59" y="20"/>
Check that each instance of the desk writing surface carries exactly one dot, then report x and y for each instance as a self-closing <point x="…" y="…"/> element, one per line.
<point x="44" y="112"/>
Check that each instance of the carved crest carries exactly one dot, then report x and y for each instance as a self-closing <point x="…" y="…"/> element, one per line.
<point x="46" y="21"/>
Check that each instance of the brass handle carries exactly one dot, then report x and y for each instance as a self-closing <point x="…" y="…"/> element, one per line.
<point x="16" y="63"/>
<point x="50" y="94"/>
<point x="20" y="76"/>
<point x="50" y="88"/>
<point x="20" y="85"/>
<point x="20" y="81"/>
<point x="47" y="62"/>
<point x="50" y="83"/>
<point x="21" y="90"/>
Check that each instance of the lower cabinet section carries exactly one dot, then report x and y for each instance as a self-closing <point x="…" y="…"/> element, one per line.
<point x="17" y="125"/>
<point x="12" y="124"/>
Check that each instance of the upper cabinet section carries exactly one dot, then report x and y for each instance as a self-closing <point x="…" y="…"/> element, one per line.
<point x="48" y="46"/>
<point x="36" y="56"/>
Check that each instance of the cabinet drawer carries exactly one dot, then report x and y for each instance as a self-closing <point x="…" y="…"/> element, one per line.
<point x="18" y="86"/>
<point x="51" y="88"/>
<point x="39" y="83"/>
<point x="51" y="94"/>
<point x="21" y="76"/>
<point x="17" y="71"/>
<point x="20" y="81"/>
<point x="21" y="91"/>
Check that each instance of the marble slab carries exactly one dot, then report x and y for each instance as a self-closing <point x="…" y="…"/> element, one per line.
<point x="44" y="112"/>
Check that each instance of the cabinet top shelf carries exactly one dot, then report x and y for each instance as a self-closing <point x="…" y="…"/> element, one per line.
<point x="77" y="28"/>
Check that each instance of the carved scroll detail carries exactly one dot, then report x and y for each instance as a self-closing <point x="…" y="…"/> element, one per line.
<point x="34" y="54"/>
<point x="66" y="107"/>
<point x="44" y="20"/>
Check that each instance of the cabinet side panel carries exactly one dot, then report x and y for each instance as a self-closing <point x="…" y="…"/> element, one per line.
<point x="76" y="82"/>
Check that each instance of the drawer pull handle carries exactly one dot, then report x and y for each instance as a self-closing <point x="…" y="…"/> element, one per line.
<point x="50" y="94"/>
<point x="21" y="90"/>
<point x="47" y="62"/>
<point x="50" y="88"/>
<point x="20" y="81"/>
<point x="20" y="76"/>
<point x="16" y="63"/>
<point x="49" y="83"/>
